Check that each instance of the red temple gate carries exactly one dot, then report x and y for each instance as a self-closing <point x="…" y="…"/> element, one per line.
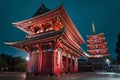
<point x="52" y="42"/>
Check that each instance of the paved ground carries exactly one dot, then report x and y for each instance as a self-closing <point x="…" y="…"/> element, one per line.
<point x="75" y="76"/>
<point x="12" y="76"/>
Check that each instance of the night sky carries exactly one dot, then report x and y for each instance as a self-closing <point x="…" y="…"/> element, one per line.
<point x="104" y="13"/>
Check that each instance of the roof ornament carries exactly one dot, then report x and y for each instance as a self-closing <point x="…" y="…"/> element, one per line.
<point x="93" y="28"/>
<point x="41" y="10"/>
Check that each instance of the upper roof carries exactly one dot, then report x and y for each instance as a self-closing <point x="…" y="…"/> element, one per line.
<point x="44" y="14"/>
<point x="100" y="34"/>
<point x="41" y="10"/>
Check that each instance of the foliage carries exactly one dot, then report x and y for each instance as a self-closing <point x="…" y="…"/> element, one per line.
<point x="117" y="50"/>
<point x="19" y="64"/>
<point x="10" y="63"/>
<point x="0" y="62"/>
<point x="112" y="61"/>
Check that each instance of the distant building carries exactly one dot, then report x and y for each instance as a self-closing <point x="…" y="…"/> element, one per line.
<point x="98" y="58"/>
<point x="52" y="42"/>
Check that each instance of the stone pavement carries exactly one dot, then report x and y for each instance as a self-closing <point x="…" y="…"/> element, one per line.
<point x="61" y="77"/>
<point x="79" y="76"/>
<point x="74" y="76"/>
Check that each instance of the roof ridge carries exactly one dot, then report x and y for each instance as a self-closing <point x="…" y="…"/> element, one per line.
<point x="42" y="9"/>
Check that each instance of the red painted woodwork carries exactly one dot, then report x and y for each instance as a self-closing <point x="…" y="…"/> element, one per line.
<point x="72" y="65"/>
<point x="66" y="68"/>
<point x="97" y="36"/>
<point x="47" y="63"/>
<point x="64" y="65"/>
<point x="58" y="63"/>
<point x="51" y="42"/>
<point x="96" y="44"/>
<point x="69" y="65"/>
<point x="98" y="51"/>
<point x="40" y="58"/>
<point x="63" y="20"/>
<point x="34" y="63"/>
<point x="28" y="63"/>
<point x="99" y="41"/>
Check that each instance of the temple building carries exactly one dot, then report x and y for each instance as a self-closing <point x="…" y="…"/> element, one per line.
<point x="97" y="46"/>
<point x="52" y="42"/>
<point x="98" y="57"/>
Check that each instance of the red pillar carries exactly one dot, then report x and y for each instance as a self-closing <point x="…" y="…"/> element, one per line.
<point x="76" y="64"/>
<point x="54" y="61"/>
<point x="40" y="58"/>
<point x="71" y="65"/>
<point x="29" y="61"/>
<point x="61" y="62"/>
<point x="66" y="63"/>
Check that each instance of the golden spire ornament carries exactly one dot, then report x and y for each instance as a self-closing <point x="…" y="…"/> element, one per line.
<point x="93" y="28"/>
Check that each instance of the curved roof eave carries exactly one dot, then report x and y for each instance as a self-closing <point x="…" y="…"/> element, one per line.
<point x="36" y="37"/>
<point x="14" y="23"/>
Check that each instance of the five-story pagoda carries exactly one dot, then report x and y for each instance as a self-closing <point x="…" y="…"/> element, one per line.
<point x="97" y="44"/>
<point x="97" y="50"/>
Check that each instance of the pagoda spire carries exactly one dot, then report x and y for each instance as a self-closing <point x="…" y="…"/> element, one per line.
<point x="93" y="28"/>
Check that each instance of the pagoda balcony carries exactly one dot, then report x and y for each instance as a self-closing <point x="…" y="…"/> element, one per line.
<point x="97" y="36"/>
<point x="98" y="51"/>
<point x="96" y="41"/>
<point x="97" y="46"/>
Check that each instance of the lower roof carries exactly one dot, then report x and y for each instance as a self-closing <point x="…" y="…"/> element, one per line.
<point x="41" y="38"/>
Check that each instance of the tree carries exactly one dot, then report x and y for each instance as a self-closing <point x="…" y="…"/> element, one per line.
<point x="10" y="63"/>
<point x="0" y="63"/>
<point x="117" y="50"/>
<point x="4" y="63"/>
<point x="19" y="64"/>
<point x="112" y="61"/>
